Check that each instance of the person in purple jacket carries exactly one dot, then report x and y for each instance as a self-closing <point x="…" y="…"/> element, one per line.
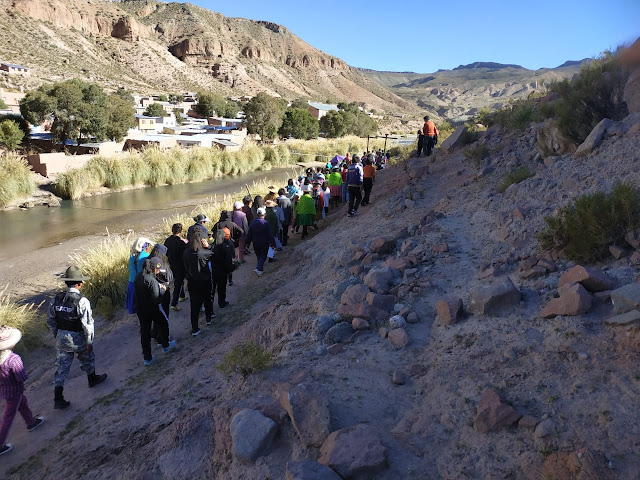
<point x="354" y="184"/>
<point x="12" y="378"/>
<point x="262" y="237"/>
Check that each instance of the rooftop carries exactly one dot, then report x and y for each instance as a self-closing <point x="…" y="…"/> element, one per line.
<point x="323" y="106"/>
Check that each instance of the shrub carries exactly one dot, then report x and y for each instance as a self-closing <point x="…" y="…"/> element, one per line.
<point x="10" y="134"/>
<point x="585" y="229"/>
<point x="24" y="317"/>
<point x="16" y="180"/>
<point x="476" y="154"/>
<point x="516" y="116"/>
<point x="517" y="176"/>
<point x="245" y="359"/>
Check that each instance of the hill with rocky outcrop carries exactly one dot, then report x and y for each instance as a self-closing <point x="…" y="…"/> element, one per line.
<point x="150" y="46"/>
<point x="460" y="93"/>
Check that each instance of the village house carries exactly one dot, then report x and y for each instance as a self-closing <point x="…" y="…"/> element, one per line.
<point x="146" y="124"/>
<point x="13" y="69"/>
<point x="12" y="99"/>
<point x="319" y="110"/>
<point x="226" y="123"/>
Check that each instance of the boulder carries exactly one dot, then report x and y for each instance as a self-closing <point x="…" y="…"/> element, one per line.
<point x="321" y="324"/>
<point x="551" y="141"/>
<point x="379" y="280"/>
<point x="383" y="244"/>
<point x="493" y="414"/>
<point x="617" y="252"/>
<point x="454" y="139"/>
<point x="335" y="349"/>
<point x="448" y="310"/>
<point x="383" y="332"/>
<point x="360" y="324"/>
<point x="308" y="470"/>
<point x="573" y="300"/>
<point x="582" y="464"/>
<point x="633" y="239"/>
<point x="354" y="451"/>
<point x="397" y="321"/>
<point x="354" y="294"/>
<point x="594" y="138"/>
<point x="417" y="168"/>
<point x="307" y="405"/>
<point x="397" y="263"/>
<point x="338" y="333"/>
<point x="399" y="337"/>
<point x="624" y="319"/>
<point x="413" y="317"/>
<point x="545" y="428"/>
<point x="626" y="298"/>
<point x="251" y="433"/>
<point x="592" y="279"/>
<point x="383" y="302"/>
<point x="490" y="299"/>
<point x="362" y="310"/>
<point x="398" y="378"/>
<point x="528" y="422"/>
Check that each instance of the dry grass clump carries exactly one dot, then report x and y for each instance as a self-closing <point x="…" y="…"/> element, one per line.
<point x="25" y="317"/>
<point x="16" y="180"/>
<point x="245" y="359"/>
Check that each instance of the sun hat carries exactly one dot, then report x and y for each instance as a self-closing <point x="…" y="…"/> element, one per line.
<point x="74" y="274"/>
<point x="261" y="212"/>
<point x="201" y="218"/>
<point x="140" y="244"/>
<point x="237" y="205"/>
<point x="9" y="337"/>
<point x="270" y="203"/>
<point x="272" y="189"/>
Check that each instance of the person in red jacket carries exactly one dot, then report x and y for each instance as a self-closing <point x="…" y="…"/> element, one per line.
<point x="430" y="132"/>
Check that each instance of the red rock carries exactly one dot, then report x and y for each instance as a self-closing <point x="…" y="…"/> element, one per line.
<point x="519" y="212"/>
<point x="382" y="245"/>
<point x="582" y="464"/>
<point x="413" y="317"/>
<point x="399" y="337"/>
<point x="448" y="310"/>
<point x="360" y="324"/>
<point x="574" y="300"/>
<point x="441" y="248"/>
<point x="307" y="404"/>
<point x="383" y="302"/>
<point x="335" y="348"/>
<point x="489" y="272"/>
<point x="354" y="294"/>
<point x="397" y="263"/>
<point x="354" y="451"/>
<point x="528" y="263"/>
<point x="493" y="414"/>
<point x="361" y="310"/>
<point x="592" y="279"/>
<point x="617" y="252"/>
<point x="547" y="264"/>
<point x="383" y="332"/>
<point x="528" y="422"/>
<point x="367" y="260"/>
<point x="493" y="298"/>
<point x="358" y="256"/>
<point x="536" y="271"/>
<point x="404" y="311"/>
<point x="356" y="270"/>
<point x="635" y="258"/>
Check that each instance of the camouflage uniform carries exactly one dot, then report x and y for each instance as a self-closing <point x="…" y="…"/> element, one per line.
<point x="69" y="342"/>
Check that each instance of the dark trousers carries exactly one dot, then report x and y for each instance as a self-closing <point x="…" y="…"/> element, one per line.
<point x="162" y="330"/>
<point x="355" y="197"/>
<point x="284" y="234"/>
<point x="261" y="253"/>
<point x="200" y="292"/>
<point x="430" y="143"/>
<point x="178" y="287"/>
<point x="367" y="184"/>
<point x="220" y="284"/>
<point x="11" y="407"/>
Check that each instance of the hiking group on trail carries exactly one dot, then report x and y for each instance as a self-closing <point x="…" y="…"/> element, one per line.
<point x="200" y="265"/>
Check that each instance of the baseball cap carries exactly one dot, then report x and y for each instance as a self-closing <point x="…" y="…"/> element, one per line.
<point x="261" y="212"/>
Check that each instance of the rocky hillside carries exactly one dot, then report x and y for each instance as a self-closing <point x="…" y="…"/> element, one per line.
<point x="459" y="93"/>
<point x="153" y="46"/>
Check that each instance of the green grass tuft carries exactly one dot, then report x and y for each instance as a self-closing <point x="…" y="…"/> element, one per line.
<point x="516" y="176"/>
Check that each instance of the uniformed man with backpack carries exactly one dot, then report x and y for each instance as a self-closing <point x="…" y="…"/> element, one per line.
<point x="71" y="322"/>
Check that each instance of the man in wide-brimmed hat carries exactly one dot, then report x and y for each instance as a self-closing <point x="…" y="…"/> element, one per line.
<point x="12" y="378"/>
<point x="71" y="322"/>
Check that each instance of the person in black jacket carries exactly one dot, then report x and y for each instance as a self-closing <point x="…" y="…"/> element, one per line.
<point x="420" y="143"/>
<point x="148" y="297"/>
<point x="222" y="265"/>
<point x="176" y="246"/>
<point x="198" y="272"/>
<point x="233" y="231"/>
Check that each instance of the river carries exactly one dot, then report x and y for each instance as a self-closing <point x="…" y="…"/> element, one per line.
<point x="141" y="210"/>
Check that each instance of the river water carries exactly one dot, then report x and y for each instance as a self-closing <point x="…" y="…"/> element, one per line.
<point x="23" y="231"/>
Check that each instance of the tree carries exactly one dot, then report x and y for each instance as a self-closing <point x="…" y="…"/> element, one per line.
<point x="10" y="134"/>
<point x="163" y="98"/>
<point x="120" y="117"/>
<point x="363" y="125"/>
<point x="334" y="124"/>
<point x="264" y="115"/>
<point x="178" y="114"/>
<point x="301" y="102"/>
<point x="125" y="95"/>
<point x="349" y="107"/>
<point x="210" y="102"/>
<point x="155" y="110"/>
<point x="174" y="98"/>
<point x="299" y="123"/>
<point x="22" y="123"/>
<point x="3" y="105"/>
<point x="78" y="109"/>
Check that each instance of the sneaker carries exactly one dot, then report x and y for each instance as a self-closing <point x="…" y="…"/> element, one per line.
<point x="36" y="423"/>
<point x="149" y="362"/>
<point x="226" y="304"/>
<point x="209" y="321"/>
<point x="182" y="299"/>
<point x="6" y="448"/>
<point x="355" y="212"/>
<point x="175" y="308"/>
<point x="195" y="333"/>
<point x="350" y="214"/>
<point x="170" y="347"/>
<point x="231" y="284"/>
<point x="258" y="272"/>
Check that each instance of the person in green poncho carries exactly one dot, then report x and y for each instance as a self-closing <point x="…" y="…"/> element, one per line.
<point x="306" y="210"/>
<point x="335" y="187"/>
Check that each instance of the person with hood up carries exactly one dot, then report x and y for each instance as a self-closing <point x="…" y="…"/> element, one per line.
<point x="200" y="220"/>
<point x="262" y="237"/>
<point x="12" y="378"/>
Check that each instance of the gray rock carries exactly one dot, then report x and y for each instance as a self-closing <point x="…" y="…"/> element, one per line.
<point x="383" y="302"/>
<point x="622" y="320"/>
<point x="251" y="433"/>
<point x="490" y="299"/>
<point x="545" y="428"/>
<point x="308" y="470"/>
<point x="453" y="140"/>
<point x="626" y="298"/>
<point x="594" y="138"/>
<point x="355" y="294"/>
<point x="354" y="451"/>
<point x="397" y="321"/>
<point x="322" y="324"/>
<point x="397" y="307"/>
<point x="379" y="280"/>
<point x="338" y="333"/>
<point x="307" y="405"/>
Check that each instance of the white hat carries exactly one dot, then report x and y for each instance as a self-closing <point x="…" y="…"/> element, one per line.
<point x="140" y="243"/>
<point x="261" y="212"/>
<point x="237" y="205"/>
<point x="9" y="336"/>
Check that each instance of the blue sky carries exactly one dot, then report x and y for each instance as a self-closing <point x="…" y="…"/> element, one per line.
<point x="426" y="36"/>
